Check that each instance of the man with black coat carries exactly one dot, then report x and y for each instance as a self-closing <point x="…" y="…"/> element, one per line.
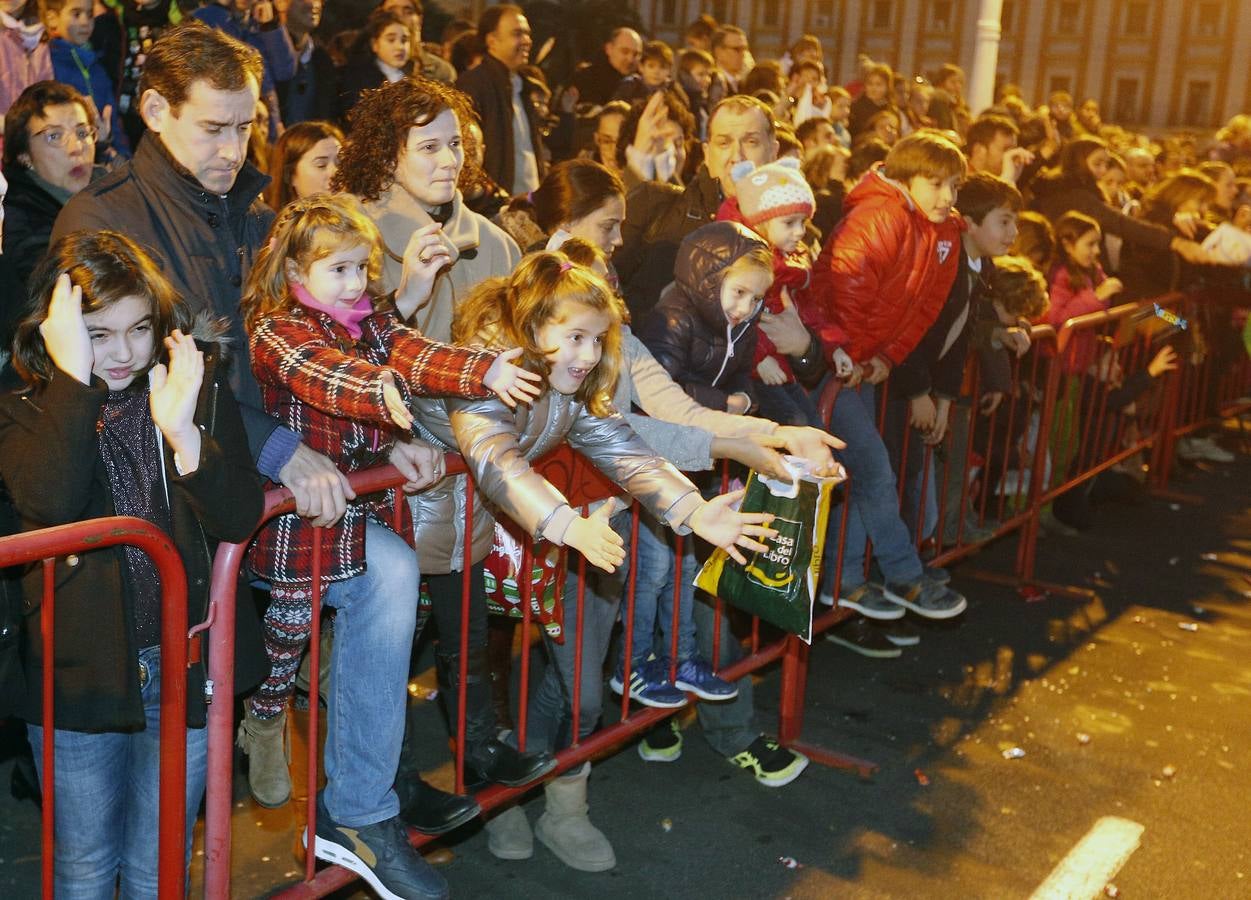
<point x="596" y="82"/>
<point x="504" y="100"/>
<point x="190" y="197"/>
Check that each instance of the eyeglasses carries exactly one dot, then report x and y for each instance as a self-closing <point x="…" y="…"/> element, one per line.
<point x="60" y="137"/>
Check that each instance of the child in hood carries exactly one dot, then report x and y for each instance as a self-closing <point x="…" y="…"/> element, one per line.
<point x="703" y="330"/>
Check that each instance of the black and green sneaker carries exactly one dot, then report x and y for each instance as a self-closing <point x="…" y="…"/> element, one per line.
<point x="773" y="764"/>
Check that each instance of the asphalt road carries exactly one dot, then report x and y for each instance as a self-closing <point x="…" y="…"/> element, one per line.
<point x="1119" y="713"/>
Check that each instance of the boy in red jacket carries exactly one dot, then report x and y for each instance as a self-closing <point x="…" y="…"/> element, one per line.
<point x="878" y="285"/>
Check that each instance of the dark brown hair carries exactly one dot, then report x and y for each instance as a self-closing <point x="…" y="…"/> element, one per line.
<point x="573" y="190"/>
<point x="108" y="267"/>
<point x="286" y="154"/>
<point x="31" y="103"/>
<point x="191" y="52"/>
<point x="983" y="193"/>
<point x="380" y="123"/>
<point x="1072" y="227"/>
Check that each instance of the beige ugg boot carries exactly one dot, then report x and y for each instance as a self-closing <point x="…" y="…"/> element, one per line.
<point x="509" y="835"/>
<point x="565" y="829"/>
<point x="265" y="743"/>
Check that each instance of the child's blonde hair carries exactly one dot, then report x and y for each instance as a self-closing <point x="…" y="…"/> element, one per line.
<point x="758" y="258"/>
<point x="305" y="231"/>
<point x="511" y="310"/>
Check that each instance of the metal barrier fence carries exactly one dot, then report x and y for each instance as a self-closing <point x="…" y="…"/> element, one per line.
<point x="46" y="546"/>
<point x="1061" y="425"/>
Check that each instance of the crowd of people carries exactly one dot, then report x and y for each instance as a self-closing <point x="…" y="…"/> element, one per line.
<point x="240" y="250"/>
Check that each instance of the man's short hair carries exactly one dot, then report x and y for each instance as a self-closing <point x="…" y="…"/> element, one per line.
<point x="742" y="103"/>
<point x="723" y="32"/>
<point x="808" y="127"/>
<point x="804" y="65"/>
<point x="925" y="154"/>
<point x="880" y="70"/>
<point x="986" y="127"/>
<point x="191" y="52"/>
<point x="692" y="57"/>
<point x="983" y="193"/>
<point x="489" y="21"/>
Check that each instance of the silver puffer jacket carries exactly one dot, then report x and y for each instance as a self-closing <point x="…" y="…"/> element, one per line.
<point x="498" y="444"/>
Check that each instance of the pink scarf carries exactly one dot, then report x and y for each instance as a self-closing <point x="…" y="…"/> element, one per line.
<point x="350" y="317"/>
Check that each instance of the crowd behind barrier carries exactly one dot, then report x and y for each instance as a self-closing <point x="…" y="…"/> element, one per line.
<point x="1015" y="481"/>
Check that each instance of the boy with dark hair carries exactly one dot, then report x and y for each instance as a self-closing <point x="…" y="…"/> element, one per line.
<point x="878" y="286"/>
<point x="695" y="68"/>
<point x="924" y="386"/>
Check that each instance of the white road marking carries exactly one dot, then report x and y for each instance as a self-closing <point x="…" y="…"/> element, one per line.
<point x="1093" y="862"/>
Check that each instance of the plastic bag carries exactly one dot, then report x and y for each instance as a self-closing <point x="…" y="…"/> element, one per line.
<point x="779" y="585"/>
<point x="503" y="590"/>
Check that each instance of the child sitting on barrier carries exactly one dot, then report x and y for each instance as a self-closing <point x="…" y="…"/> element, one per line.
<point x="567" y="321"/>
<point x="123" y="412"/>
<point x="776" y="202"/>
<point x="879" y="284"/>
<point x="337" y="367"/>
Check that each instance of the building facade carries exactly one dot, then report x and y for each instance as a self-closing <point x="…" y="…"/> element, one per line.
<point x="1150" y="63"/>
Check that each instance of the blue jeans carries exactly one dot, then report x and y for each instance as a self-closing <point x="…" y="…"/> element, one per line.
<point x="898" y="412"/>
<point x="653" y="593"/>
<point x="874" y="496"/>
<point x="107" y="797"/>
<point x="373" y="639"/>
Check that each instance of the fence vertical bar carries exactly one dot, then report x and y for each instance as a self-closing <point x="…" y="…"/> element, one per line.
<point x="47" y="619"/>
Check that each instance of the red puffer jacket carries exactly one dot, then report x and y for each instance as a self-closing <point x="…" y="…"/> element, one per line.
<point x="883" y="275"/>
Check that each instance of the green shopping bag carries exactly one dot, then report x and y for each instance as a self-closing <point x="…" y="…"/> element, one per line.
<point x="779" y="585"/>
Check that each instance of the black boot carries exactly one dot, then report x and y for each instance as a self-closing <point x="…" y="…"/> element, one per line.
<point x="487" y="758"/>
<point x="430" y="810"/>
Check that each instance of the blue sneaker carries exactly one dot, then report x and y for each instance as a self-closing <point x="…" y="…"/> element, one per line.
<point x="696" y="675"/>
<point x="650" y="685"/>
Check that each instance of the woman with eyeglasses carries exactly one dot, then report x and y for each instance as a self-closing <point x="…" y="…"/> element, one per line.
<point x="49" y="155"/>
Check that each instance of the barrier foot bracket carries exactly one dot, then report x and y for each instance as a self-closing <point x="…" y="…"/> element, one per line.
<point x="832" y="759"/>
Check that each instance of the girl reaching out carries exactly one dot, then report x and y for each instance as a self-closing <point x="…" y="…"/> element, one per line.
<point x="336" y="366"/>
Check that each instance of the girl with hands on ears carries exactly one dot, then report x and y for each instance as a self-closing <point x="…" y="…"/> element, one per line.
<point x="122" y="413"/>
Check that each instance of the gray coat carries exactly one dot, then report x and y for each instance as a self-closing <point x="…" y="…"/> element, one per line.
<point x="499" y="443"/>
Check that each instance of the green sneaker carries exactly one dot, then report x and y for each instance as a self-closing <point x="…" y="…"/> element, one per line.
<point x="774" y="765"/>
<point x="663" y="743"/>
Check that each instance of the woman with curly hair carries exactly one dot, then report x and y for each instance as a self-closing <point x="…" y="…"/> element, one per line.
<point x="403" y="160"/>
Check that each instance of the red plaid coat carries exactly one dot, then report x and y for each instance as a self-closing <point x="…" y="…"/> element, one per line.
<point x="328" y="389"/>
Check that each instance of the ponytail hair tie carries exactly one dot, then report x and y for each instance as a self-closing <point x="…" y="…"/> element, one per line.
<point x="566" y="266"/>
<point x="530" y="196"/>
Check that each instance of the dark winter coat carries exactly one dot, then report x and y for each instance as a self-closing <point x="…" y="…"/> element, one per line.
<point x="29" y="212"/>
<point x="883" y="275"/>
<point x="204" y="243"/>
<point x="688" y="332"/>
<point x="1056" y="195"/>
<point x="50" y="456"/>
<point x="489" y="86"/>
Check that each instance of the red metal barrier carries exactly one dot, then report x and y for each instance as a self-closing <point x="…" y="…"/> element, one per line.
<point x="1040" y="382"/>
<point x="46" y="545"/>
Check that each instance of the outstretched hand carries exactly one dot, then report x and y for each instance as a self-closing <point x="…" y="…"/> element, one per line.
<point x="595" y="539"/>
<point x="721" y="525"/>
<point x="512" y="383"/>
<point x="397" y="409"/>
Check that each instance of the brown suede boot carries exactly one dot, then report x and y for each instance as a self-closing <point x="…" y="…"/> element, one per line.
<point x="265" y="743"/>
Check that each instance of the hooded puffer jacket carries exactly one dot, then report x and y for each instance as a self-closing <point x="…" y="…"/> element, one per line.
<point x="688" y="332"/>
<point x="883" y="275"/>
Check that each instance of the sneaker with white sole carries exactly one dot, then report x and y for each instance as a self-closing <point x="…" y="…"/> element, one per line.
<point x="1203" y="448"/>
<point x="871" y="600"/>
<point x="379" y="853"/>
<point x="773" y="764"/>
<point x="663" y="743"/>
<point x="902" y="633"/>
<point x="927" y="598"/>
<point x="858" y="636"/>
<point x="696" y="675"/>
<point x="650" y="685"/>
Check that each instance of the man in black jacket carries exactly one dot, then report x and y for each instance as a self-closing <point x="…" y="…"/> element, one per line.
<point x="190" y="197"/>
<point x="312" y="92"/>
<point x="597" y="81"/>
<point x="512" y="139"/>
